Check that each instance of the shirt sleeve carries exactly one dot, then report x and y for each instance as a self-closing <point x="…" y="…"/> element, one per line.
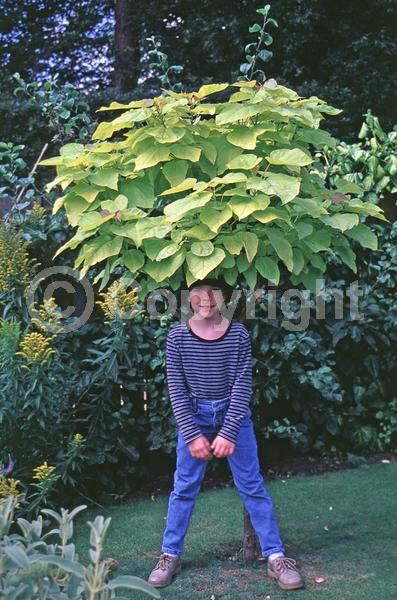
<point x="241" y="393"/>
<point x="178" y="391"/>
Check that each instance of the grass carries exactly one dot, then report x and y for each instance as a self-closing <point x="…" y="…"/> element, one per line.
<point x="353" y="544"/>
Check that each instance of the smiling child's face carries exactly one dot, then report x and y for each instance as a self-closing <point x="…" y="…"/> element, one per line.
<point x="206" y="300"/>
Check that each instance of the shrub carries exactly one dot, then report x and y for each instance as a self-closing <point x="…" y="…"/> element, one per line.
<point x="194" y="188"/>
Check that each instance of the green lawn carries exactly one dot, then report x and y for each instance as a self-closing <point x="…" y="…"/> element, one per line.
<point x="353" y="544"/>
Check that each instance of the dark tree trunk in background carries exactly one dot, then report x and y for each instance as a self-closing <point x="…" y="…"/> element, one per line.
<point x="126" y="46"/>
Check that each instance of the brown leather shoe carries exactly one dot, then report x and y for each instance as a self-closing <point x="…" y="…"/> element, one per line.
<point x="283" y="570"/>
<point x="165" y="570"/>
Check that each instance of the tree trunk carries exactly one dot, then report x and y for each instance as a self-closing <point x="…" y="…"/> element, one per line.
<point x="126" y="47"/>
<point x="251" y="547"/>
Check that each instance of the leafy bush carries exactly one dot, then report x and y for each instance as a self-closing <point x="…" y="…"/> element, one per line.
<point x="371" y="162"/>
<point x="246" y="195"/>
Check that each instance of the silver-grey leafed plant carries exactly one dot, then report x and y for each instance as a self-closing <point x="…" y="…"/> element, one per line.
<point x="35" y="567"/>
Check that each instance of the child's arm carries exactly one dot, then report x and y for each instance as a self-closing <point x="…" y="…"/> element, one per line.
<point x="178" y="392"/>
<point x="241" y="392"/>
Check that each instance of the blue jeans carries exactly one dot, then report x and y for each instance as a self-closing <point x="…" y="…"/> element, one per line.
<point x="244" y="466"/>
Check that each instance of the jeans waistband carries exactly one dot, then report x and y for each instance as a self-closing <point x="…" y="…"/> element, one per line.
<point x="198" y="400"/>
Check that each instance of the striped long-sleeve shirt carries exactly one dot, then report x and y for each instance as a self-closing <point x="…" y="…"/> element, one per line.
<point x="209" y="370"/>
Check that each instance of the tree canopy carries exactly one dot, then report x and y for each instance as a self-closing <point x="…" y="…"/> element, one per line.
<point x="177" y="187"/>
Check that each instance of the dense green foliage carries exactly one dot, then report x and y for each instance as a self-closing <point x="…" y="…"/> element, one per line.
<point x="246" y="194"/>
<point x="371" y="163"/>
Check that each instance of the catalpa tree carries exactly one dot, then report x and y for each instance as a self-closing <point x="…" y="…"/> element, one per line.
<point x="181" y="186"/>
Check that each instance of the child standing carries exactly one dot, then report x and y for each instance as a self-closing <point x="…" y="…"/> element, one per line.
<point x="209" y="376"/>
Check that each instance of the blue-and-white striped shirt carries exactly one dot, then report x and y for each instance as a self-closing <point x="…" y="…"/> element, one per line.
<point x="209" y="370"/>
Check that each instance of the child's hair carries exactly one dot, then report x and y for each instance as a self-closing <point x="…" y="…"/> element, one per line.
<point x="215" y="281"/>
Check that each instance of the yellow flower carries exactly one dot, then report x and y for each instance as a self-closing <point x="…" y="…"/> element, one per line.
<point x="117" y="303"/>
<point x="49" y="317"/>
<point x="8" y="486"/>
<point x="43" y="471"/>
<point x="35" y="348"/>
<point x="16" y="267"/>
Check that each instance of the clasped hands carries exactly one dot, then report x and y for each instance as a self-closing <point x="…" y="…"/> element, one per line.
<point x="219" y="447"/>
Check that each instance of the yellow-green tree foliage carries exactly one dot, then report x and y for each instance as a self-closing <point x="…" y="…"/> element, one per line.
<point x="178" y="187"/>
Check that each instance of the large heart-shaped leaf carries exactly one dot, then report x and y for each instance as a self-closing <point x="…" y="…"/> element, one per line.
<point x="200" y="266"/>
